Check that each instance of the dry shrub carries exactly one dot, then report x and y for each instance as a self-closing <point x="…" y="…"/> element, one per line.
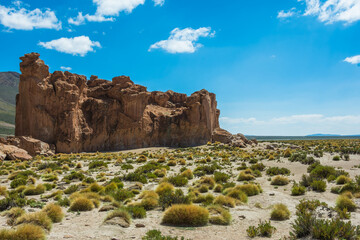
<point x="188" y="174"/>
<point x="280" y="212"/>
<point x="120" y="213"/>
<point x="13" y="214"/>
<point x="32" y="190"/>
<point x="81" y="204"/>
<point x="54" y="212"/>
<point x="164" y="187"/>
<point x="219" y="215"/>
<point x="186" y="215"/>
<point x="208" y="181"/>
<point x="149" y="203"/>
<point x="225" y="201"/>
<point x="37" y="218"/>
<point x="23" y="232"/>
<point x="250" y="189"/>
<point x="3" y="191"/>
<point x="149" y="194"/>
<point x="245" y="177"/>
<point x="279" y="180"/>
<point x="160" y="172"/>
<point x="343" y="202"/>
<point x="237" y="194"/>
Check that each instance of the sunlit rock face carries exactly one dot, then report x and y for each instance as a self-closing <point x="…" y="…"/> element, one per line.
<point x="80" y="115"/>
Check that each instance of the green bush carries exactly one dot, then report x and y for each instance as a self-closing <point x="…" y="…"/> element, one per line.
<point x="318" y="186"/>
<point x="221" y="177"/>
<point x="273" y="171"/>
<point x="322" y="172"/>
<point x="122" y="195"/>
<point x="178" y="181"/>
<point x="18" y="182"/>
<point x="264" y="229"/>
<point x="97" y="163"/>
<point x="298" y="190"/>
<point x="156" y="235"/>
<point x="169" y="197"/>
<point x="336" y="158"/>
<point x="136" y="212"/>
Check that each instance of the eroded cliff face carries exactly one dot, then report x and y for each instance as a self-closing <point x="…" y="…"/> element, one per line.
<point x="78" y="115"/>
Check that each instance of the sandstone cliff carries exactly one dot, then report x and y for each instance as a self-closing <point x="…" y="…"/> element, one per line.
<point x="78" y="115"/>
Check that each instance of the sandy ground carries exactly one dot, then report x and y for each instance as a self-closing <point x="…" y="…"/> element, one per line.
<point x="89" y="225"/>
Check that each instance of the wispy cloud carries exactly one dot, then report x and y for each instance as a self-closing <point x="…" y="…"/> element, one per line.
<point x="76" y="46"/>
<point x="20" y="18"/>
<point x="79" y="20"/>
<point x="353" y="60"/>
<point x="159" y="2"/>
<point x="183" y="40"/>
<point x="65" y="68"/>
<point x="330" y="11"/>
<point x="286" y="14"/>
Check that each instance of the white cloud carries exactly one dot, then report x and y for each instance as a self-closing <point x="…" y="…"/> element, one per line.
<point x="183" y="41"/>
<point x="353" y="60"/>
<point x="76" y="46"/>
<point x="107" y="9"/>
<point x="295" y="119"/>
<point x="330" y="11"/>
<point x="286" y="14"/>
<point x="79" y="20"/>
<point x="294" y="125"/>
<point x="65" y="68"/>
<point x="114" y="7"/>
<point x="159" y="2"/>
<point x="23" y="19"/>
<point x="98" y="18"/>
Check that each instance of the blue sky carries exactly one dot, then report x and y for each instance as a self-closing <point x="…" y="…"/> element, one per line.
<point x="285" y="67"/>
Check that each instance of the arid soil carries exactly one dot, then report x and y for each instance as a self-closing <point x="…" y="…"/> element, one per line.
<point x="90" y="225"/>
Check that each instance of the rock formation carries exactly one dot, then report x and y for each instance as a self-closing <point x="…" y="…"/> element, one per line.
<point x="78" y="115"/>
<point x="32" y="146"/>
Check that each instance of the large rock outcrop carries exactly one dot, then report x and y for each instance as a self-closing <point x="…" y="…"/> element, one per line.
<point x="78" y="115"/>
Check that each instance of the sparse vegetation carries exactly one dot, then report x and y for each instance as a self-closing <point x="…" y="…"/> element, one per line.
<point x="186" y="215"/>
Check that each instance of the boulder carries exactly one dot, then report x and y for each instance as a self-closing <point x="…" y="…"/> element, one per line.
<point x="221" y="135"/>
<point x="32" y="146"/>
<point x="14" y="153"/>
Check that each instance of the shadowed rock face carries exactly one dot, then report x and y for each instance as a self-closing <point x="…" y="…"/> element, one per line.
<point x="77" y="115"/>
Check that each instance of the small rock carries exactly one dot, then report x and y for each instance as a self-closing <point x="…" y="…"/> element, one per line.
<point x="118" y="221"/>
<point x="68" y="236"/>
<point x="139" y="225"/>
<point x="242" y="217"/>
<point x="271" y="194"/>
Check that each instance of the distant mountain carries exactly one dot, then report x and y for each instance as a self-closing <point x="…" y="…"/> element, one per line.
<point x="323" y="135"/>
<point x="9" y="87"/>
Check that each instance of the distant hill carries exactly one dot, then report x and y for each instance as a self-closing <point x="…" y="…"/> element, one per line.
<point x="9" y="87"/>
<point x="323" y="135"/>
